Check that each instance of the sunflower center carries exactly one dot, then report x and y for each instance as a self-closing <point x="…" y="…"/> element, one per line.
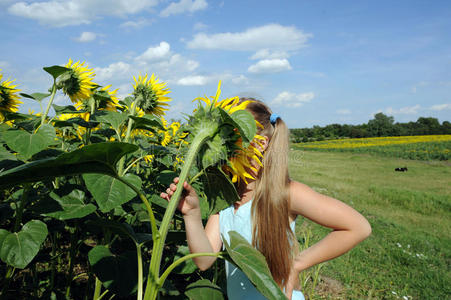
<point x="146" y="97"/>
<point x="5" y="97"/>
<point x="70" y="83"/>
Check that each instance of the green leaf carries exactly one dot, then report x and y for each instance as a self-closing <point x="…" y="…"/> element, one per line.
<point x="27" y="144"/>
<point x="35" y="96"/>
<point x="118" y="273"/>
<point x="72" y="206"/>
<point x="100" y="158"/>
<point x="19" y="248"/>
<point x="244" y="121"/>
<point x="109" y="192"/>
<point x="5" y="154"/>
<point x="3" y="234"/>
<point x="115" y="119"/>
<point x="56" y="71"/>
<point x="253" y="264"/>
<point x="204" y="289"/>
<point x="219" y="190"/>
<point x="188" y="266"/>
<point x="68" y="109"/>
<point x="148" y="122"/>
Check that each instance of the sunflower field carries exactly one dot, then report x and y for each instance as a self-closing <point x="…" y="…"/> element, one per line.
<point x="423" y="147"/>
<point x="81" y="216"/>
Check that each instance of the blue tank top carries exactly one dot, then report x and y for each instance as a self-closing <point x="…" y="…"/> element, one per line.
<point x="239" y="286"/>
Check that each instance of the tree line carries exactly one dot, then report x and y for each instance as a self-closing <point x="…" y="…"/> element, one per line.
<point x="380" y="125"/>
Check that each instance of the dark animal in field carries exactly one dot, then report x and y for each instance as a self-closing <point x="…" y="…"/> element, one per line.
<point x="403" y="169"/>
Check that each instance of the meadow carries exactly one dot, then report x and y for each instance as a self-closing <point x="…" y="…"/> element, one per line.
<point x="423" y="147"/>
<point x="408" y="254"/>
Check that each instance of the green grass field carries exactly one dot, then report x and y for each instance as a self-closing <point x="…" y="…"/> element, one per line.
<point x="408" y="254"/>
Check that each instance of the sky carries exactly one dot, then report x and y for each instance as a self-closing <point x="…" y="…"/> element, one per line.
<point x="313" y="62"/>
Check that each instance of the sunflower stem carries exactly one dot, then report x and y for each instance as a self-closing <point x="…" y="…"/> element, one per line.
<point x="52" y="96"/>
<point x="127" y="136"/>
<point x="152" y="286"/>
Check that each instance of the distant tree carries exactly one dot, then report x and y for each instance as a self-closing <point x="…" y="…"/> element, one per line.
<point x="445" y="128"/>
<point x="381" y="125"/>
<point x="428" y="125"/>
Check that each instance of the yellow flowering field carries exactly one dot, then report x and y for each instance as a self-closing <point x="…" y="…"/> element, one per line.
<point x="423" y="147"/>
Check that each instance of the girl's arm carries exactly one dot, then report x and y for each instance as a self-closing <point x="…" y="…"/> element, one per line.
<point x="199" y="239"/>
<point x="349" y="226"/>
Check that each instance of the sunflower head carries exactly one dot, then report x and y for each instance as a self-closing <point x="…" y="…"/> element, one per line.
<point x="9" y="100"/>
<point x="77" y="82"/>
<point x="150" y="95"/>
<point x="233" y="144"/>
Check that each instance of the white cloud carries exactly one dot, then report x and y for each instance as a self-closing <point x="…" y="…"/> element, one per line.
<point x="270" y="66"/>
<point x="267" y="54"/>
<point x="156" y="53"/>
<point x="292" y="99"/>
<point x="344" y="111"/>
<point x="440" y="107"/>
<point x="136" y="24"/>
<point x="271" y="37"/>
<point x="200" y="26"/>
<point x="408" y="110"/>
<point x="193" y="80"/>
<point x="86" y="36"/>
<point x="182" y="6"/>
<point x="59" y="13"/>
<point x="117" y="69"/>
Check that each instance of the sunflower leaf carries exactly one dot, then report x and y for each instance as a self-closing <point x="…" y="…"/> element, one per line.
<point x="253" y="264"/>
<point x="109" y="192"/>
<point x="18" y="249"/>
<point x="117" y="272"/>
<point x="56" y="71"/>
<point x="68" y="109"/>
<point x="100" y="158"/>
<point x="244" y="122"/>
<point x="35" y="96"/>
<point x="26" y="144"/>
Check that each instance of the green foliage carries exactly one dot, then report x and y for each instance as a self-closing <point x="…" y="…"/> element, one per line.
<point x="204" y="289"/>
<point x="97" y="158"/>
<point x="117" y="272"/>
<point x="109" y="192"/>
<point x="18" y="249"/>
<point x="253" y="264"/>
<point x="26" y="144"/>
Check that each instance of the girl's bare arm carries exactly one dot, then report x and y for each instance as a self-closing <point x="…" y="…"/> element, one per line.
<point x="349" y="226"/>
<point x="199" y="239"/>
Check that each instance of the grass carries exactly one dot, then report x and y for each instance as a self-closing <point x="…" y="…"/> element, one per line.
<point x="409" y="252"/>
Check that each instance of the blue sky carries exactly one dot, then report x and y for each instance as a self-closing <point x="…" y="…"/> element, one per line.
<point x="313" y="62"/>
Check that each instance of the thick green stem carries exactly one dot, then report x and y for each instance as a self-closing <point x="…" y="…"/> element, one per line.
<point x="140" y="272"/>
<point x="182" y="259"/>
<point x="92" y="105"/>
<point x="153" y="222"/>
<point x="157" y="251"/>
<point x="97" y="290"/>
<point x="52" y="96"/>
<point x="21" y="207"/>
<point x="127" y="137"/>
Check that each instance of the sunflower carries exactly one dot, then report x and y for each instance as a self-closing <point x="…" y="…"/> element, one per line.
<point x="77" y="82"/>
<point x="240" y="158"/>
<point x="9" y="101"/>
<point x="112" y="104"/>
<point x="150" y="95"/>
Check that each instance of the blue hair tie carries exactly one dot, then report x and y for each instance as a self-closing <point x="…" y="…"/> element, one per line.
<point x="273" y="118"/>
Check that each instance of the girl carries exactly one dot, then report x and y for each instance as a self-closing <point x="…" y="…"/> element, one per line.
<point x="265" y="216"/>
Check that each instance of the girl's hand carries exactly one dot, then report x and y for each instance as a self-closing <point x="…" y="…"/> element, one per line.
<point x="292" y="284"/>
<point x="189" y="202"/>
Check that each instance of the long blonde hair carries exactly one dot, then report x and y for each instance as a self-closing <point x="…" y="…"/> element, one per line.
<point x="271" y="232"/>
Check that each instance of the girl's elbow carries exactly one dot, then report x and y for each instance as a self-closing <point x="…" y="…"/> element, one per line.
<point x="365" y="230"/>
<point x="203" y="265"/>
